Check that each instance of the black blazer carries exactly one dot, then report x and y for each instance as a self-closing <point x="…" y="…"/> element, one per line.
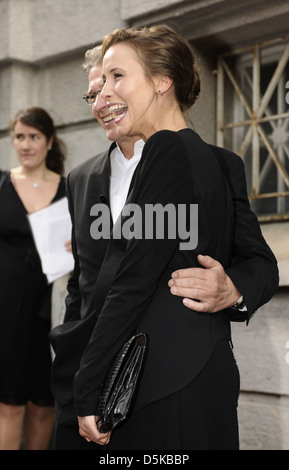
<point x="175" y="168"/>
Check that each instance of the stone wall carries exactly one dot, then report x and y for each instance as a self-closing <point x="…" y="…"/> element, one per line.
<point x="42" y="45"/>
<point x="261" y="350"/>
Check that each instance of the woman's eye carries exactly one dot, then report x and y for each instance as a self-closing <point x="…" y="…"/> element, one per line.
<point x="35" y="137"/>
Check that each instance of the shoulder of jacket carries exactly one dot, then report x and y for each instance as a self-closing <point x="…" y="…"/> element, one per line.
<point x="165" y="138"/>
<point x="88" y="166"/>
<point x="225" y="153"/>
<point x="3" y="175"/>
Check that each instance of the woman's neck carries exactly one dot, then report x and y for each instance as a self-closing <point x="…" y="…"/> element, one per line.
<point x="169" y="117"/>
<point x="39" y="173"/>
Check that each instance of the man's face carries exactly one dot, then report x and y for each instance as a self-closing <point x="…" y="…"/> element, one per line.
<point x="95" y="84"/>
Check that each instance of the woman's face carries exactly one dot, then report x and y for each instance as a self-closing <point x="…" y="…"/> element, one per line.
<point x="129" y="97"/>
<point x="31" y="145"/>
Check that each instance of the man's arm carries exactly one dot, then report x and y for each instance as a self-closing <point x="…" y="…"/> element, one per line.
<point x="253" y="272"/>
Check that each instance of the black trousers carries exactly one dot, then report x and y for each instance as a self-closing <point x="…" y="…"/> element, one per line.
<point x="202" y="416"/>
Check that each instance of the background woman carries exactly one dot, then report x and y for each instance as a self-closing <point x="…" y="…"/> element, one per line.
<point x="25" y="359"/>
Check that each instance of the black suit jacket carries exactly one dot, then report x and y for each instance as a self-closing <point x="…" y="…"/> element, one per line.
<point x="178" y="169"/>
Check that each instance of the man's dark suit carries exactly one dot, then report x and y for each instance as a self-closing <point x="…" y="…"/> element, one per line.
<point x="88" y="185"/>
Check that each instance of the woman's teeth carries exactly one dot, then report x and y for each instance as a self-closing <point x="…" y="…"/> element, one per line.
<point x="115" y="114"/>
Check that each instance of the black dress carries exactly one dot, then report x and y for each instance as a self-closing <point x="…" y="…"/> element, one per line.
<point x="25" y="358"/>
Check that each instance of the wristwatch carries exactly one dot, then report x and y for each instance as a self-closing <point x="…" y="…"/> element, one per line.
<point x="240" y="304"/>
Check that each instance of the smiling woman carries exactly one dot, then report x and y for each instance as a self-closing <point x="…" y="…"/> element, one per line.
<point x="133" y="101"/>
<point x="150" y="80"/>
<point x="188" y="390"/>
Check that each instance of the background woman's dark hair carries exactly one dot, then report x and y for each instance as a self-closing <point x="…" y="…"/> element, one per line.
<point x="41" y="120"/>
<point x="163" y="52"/>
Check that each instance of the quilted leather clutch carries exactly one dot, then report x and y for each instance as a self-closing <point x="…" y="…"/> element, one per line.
<point x="119" y="386"/>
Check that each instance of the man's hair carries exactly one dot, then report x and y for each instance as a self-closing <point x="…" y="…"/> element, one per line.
<point x="92" y="58"/>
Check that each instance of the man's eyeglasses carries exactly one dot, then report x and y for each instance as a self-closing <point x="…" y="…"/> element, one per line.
<point x="90" y="98"/>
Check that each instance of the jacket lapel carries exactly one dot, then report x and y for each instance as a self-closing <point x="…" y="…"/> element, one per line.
<point x="100" y="179"/>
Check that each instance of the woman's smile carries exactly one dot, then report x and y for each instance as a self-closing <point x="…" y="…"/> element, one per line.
<point x="113" y="112"/>
<point x="128" y="93"/>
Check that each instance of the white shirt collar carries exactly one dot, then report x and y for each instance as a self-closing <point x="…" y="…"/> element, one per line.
<point x="122" y="170"/>
<point x="138" y="148"/>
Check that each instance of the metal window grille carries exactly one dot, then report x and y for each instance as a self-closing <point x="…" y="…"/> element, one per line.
<point x="253" y="120"/>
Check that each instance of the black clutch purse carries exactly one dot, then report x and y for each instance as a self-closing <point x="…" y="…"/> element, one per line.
<point x="119" y="386"/>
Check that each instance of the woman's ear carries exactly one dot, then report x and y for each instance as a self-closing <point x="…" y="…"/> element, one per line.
<point x="163" y="84"/>
<point x="50" y="143"/>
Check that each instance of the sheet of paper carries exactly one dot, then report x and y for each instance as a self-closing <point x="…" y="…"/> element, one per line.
<point x="51" y="228"/>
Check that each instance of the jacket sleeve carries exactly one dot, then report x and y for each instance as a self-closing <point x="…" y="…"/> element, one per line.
<point x="73" y="299"/>
<point x="254" y="268"/>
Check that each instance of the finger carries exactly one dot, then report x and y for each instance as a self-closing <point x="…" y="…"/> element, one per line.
<point x="189" y="282"/>
<point x="189" y="273"/>
<point x="208" y="262"/>
<point x="189" y="292"/>
<point x="196" y="306"/>
<point x="101" y="439"/>
<point x="104" y="440"/>
<point x="204" y="260"/>
<point x="197" y="273"/>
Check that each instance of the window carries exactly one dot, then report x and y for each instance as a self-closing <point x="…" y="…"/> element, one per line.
<point x="253" y="120"/>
